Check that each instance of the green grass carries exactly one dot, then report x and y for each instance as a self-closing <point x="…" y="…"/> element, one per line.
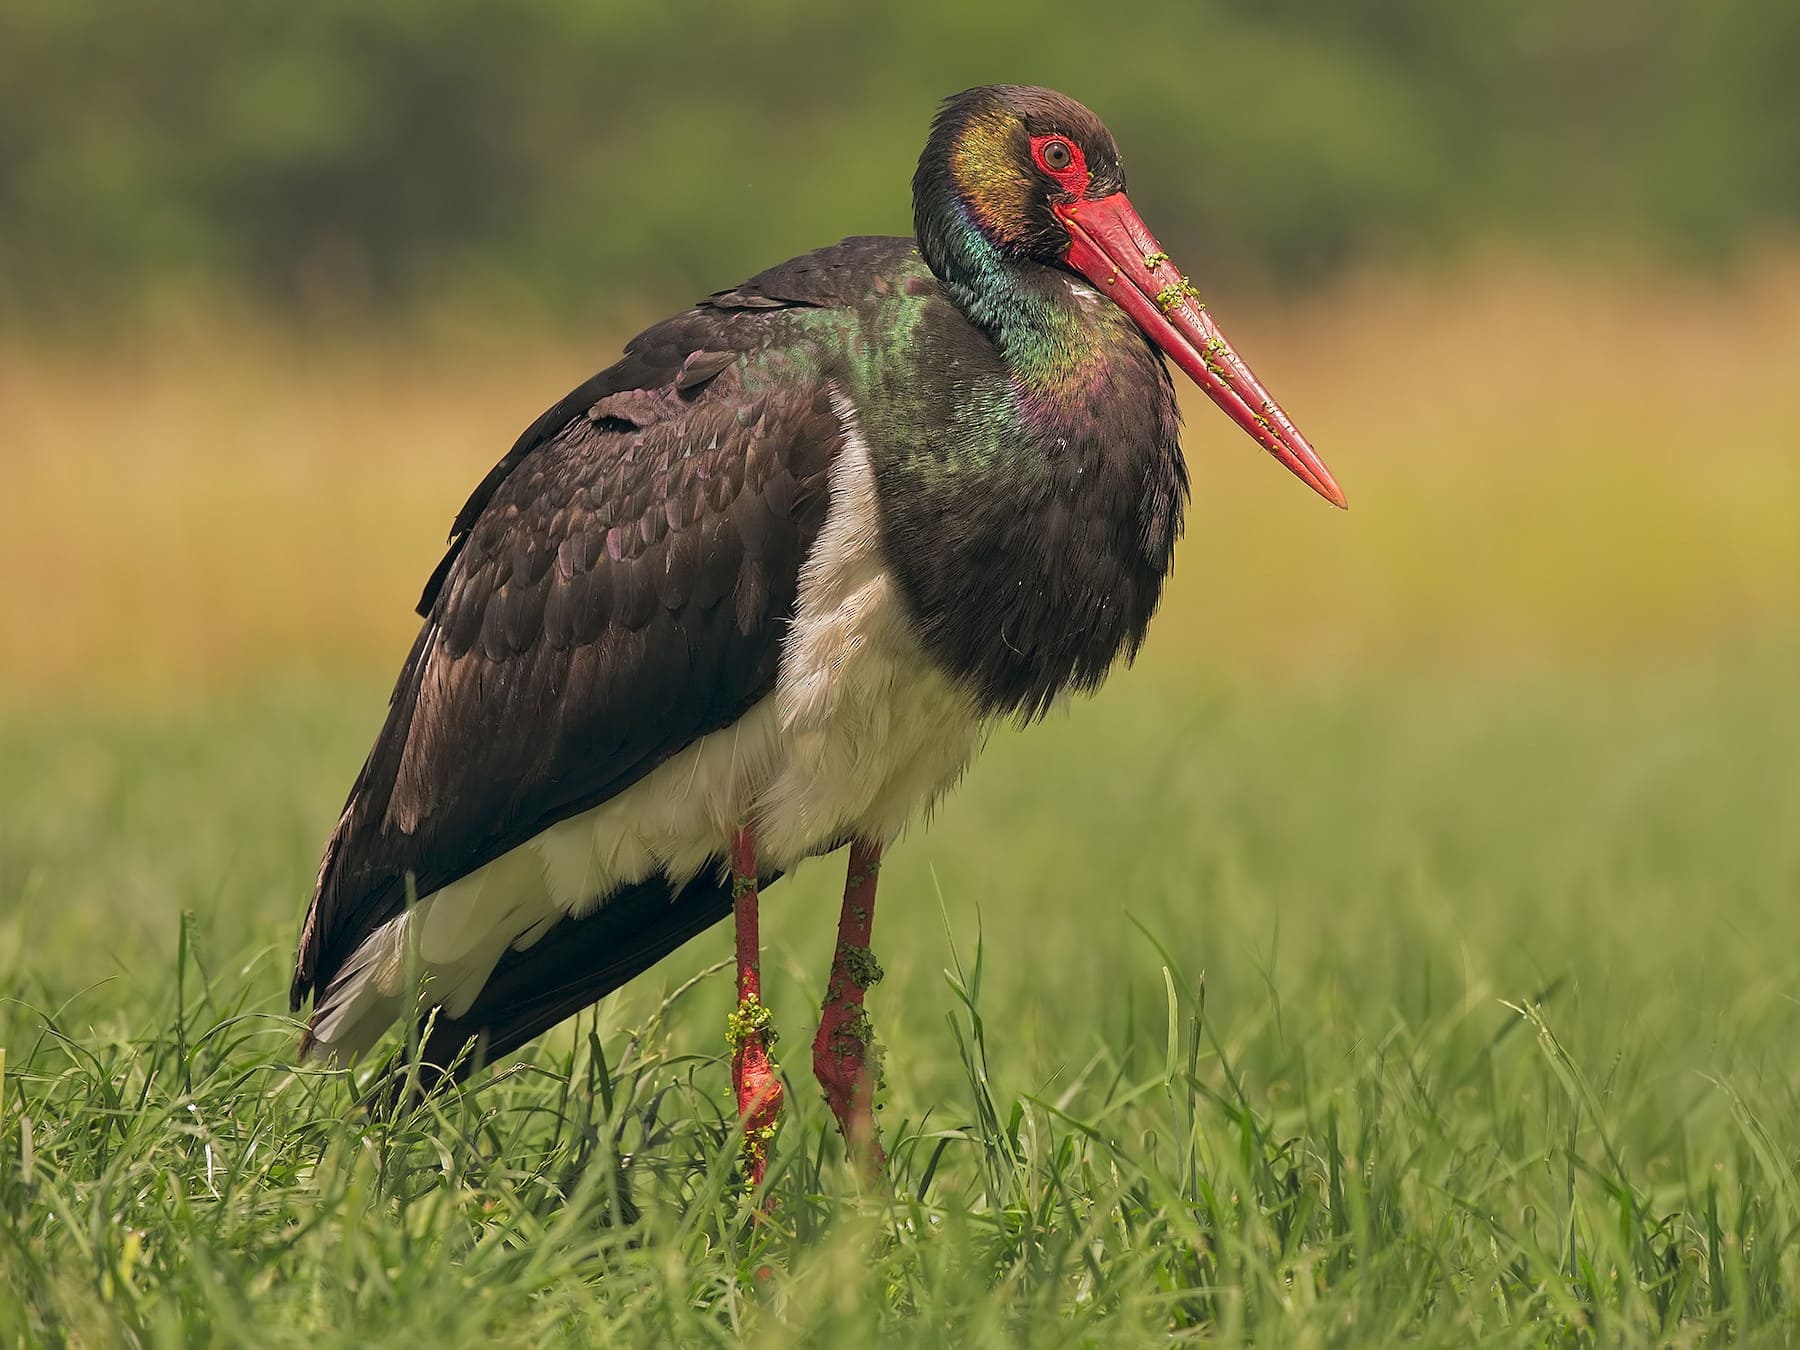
<point x="1326" y="1014"/>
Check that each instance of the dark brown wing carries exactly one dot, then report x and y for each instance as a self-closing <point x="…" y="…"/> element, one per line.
<point x="616" y="588"/>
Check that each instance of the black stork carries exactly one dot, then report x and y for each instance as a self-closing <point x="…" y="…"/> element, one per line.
<point x="756" y="592"/>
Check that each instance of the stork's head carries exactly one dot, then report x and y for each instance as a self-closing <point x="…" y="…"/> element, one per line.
<point x="1015" y="176"/>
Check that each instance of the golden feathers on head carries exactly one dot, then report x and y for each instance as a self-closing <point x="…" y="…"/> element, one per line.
<point x="990" y="174"/>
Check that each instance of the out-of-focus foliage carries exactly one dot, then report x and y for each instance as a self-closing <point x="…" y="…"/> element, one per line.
<point x="559" y="151"/>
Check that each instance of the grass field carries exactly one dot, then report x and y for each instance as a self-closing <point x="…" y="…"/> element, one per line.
<point x="1406" y="949"/>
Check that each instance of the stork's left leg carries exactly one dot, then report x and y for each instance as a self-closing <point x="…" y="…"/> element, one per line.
<point x="753" y="1074"/>
<point x="841" y="1049"/>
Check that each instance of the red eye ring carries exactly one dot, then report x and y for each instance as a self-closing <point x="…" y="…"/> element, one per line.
<point x="1062" y="159"/>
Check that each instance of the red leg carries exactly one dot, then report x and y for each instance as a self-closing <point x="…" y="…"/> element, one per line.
<point x="752" y="1071"/>
<point x="841" y="1059"/>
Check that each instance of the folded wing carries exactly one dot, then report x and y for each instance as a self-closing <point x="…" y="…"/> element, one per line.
<point x="617" y="588"/>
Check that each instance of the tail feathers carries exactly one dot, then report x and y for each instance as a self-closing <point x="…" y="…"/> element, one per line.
<point x="577" y="962"/>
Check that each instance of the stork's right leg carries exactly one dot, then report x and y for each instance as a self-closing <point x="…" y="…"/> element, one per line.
<point x="753" y="1075"/>
<point x="841" y="1050"/>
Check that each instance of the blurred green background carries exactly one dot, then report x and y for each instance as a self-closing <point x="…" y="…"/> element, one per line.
<point x="574" y="155"/>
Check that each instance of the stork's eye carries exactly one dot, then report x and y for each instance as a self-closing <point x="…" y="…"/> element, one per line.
<point x="1057" y="155"/>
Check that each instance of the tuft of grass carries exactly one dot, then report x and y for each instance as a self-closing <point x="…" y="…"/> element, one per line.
<point x="1341" y="1016"/>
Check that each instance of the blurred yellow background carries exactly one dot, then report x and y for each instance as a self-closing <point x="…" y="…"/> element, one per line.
<point x="1545" y="469"/>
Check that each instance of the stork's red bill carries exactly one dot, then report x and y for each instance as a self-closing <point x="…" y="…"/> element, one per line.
<point x="1111" y="246"/>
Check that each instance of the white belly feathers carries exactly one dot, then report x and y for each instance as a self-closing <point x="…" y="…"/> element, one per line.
<point x="860" y="734"/>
